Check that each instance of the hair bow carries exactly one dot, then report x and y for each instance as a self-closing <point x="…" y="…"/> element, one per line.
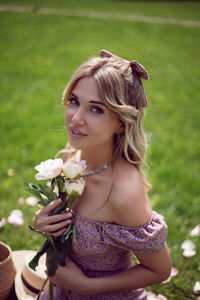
<point x="135" y="66"/>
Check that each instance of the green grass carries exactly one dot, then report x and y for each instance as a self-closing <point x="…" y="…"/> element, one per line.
<point x="38" y="55"/>
<point x="187" y="10"/>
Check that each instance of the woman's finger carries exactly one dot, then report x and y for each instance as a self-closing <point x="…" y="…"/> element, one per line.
<point x="59" y="217"/>
<point x="55" y="227"/>
<point x="47" y="209"/>
<point x="58" y="233"/>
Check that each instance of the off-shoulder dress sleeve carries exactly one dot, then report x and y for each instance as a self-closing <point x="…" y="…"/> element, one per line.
<point x="148" y="238"/>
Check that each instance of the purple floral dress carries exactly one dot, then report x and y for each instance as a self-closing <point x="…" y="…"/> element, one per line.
<point x="104" y="249"/>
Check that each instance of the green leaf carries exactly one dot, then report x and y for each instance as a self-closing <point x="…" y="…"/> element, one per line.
<point x="35" y="260"/>
<point x="33" y="186"/>
<point x="45" y="235"/>
<point x="61" y="183"/>
<point x="32" y="189"/>
<point x="62" y="207"/>
<point x="47" y="192"/>
<point x="53" y="183"/>
<point x="67" y="233"/>
<point x="72" y="197"/>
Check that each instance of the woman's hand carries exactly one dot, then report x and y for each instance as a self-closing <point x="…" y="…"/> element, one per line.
<point x="70" y="277"/>
<point x="54" y="225"/>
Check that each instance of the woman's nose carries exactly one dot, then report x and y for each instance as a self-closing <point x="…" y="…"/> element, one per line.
<point x="78" y="117"/>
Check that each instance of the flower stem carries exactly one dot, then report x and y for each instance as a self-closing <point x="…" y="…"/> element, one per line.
<point x="51" y="291"/>
<point x="42" y="289"/>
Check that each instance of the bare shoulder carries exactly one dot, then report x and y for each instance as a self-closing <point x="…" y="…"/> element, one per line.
<point x="129" y="202"/>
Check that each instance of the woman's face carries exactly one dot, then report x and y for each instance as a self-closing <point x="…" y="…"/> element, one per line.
<point x="89" y="123"/>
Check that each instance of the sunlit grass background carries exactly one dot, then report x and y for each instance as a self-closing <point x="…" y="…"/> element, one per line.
<point x="38" y="55"/>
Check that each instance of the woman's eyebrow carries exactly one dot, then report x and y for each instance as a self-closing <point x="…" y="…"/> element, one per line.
<point x="91" y="101"/>
<point x="97" y="102"/>
<point x="73" y="95"/>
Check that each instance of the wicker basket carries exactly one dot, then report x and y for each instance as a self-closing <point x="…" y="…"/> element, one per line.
<point x="7" y="271"/>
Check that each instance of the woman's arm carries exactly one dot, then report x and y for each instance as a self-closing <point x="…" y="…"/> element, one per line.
<point x="152" y="269"/>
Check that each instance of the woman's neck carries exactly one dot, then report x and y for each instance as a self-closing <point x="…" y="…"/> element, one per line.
<point x="96" y="159"/>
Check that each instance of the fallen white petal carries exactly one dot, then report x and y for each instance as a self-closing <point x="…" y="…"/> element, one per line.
<point x="198" y="298"/>
<point x="189" y="252"/>
<point x="16" y="212"/>
<point x="15" y="220"/>
<point x="167" y="280"/>
<point x="196" y="288"/>
<point x="161" y="297"/>
<point x="195" y="231"/>
<point x="187" y="244"/>
<point x="2" y="222"/>
<point x="10" y="172"/>
<point x="174" y="272"/>
<point x="151" y="296"/>
<point x="21" y="200"/>
<point x="150" y="293"/>
<point x="32" y="201"/>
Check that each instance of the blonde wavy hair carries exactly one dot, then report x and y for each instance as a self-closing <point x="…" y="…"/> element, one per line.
<point x="122" y="92"/>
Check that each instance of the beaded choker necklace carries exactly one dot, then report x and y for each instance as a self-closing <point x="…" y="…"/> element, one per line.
<point x="98" y="170"/>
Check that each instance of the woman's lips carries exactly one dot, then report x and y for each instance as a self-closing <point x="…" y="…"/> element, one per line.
<point x="75" y="132"/>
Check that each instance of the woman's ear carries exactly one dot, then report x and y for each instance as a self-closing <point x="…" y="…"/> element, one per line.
<point x="121" y="128"/>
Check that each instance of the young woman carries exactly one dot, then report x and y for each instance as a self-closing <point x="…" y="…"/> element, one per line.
<point x="105" y="102"/>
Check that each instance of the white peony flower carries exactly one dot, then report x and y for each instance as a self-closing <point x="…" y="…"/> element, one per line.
<point x="75" y="187"/>
<point x="196" y="288"/>
<point x="72" y="169"/>
<point x="16" y="218"/>
<point x="49" y="169"/>
<point x="32" y="201"/>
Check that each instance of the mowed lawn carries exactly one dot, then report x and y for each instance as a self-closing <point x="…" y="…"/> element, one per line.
<point x="38" y="55"/>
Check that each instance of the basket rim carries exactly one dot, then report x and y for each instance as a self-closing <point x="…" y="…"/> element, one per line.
<point x="9" y="251"/>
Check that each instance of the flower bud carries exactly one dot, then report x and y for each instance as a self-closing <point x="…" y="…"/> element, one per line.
<point x="74" y="188"/>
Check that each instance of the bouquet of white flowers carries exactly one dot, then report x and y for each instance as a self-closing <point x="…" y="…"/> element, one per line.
<point x="64" y="181"/>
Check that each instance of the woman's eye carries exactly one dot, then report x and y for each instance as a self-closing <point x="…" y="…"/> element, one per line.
<point x="97" y="109"/>
<point x="73" y="101"/>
